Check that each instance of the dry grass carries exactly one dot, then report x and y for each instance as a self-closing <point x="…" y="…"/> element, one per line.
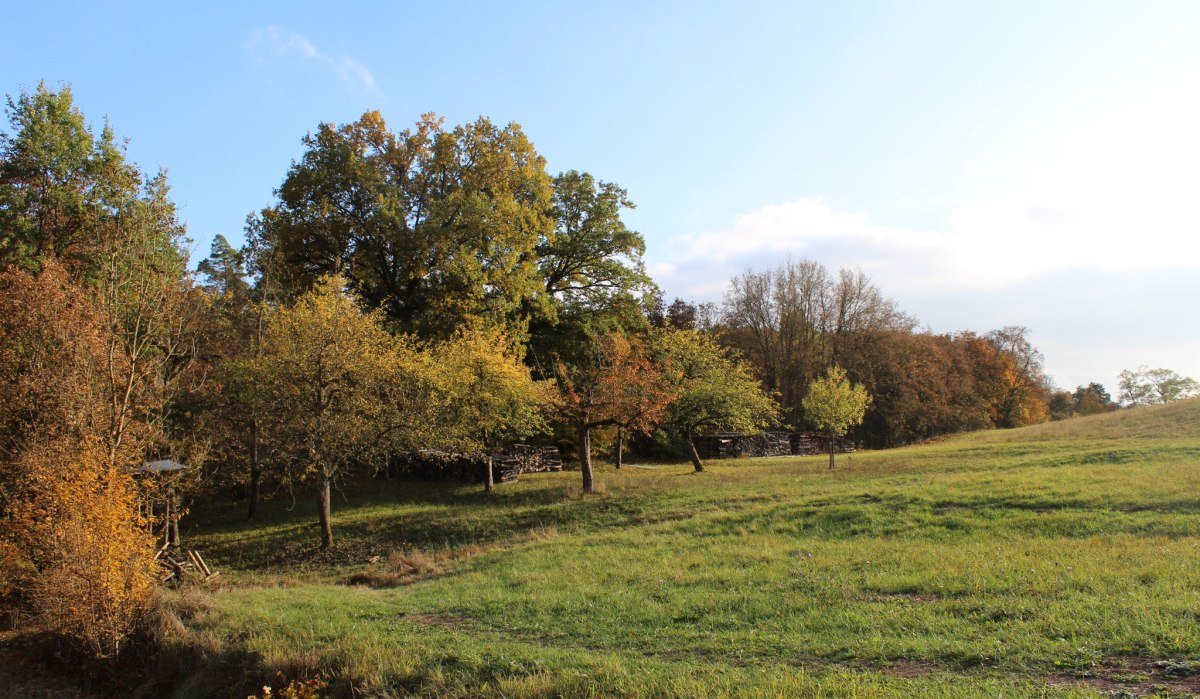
<point x="1180" y="419"/>
<point x="409" y="565"/>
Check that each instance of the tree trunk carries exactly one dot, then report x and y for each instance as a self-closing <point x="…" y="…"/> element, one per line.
<point x="323" y="512"/>
<point x="489" y="479"/>
<point x="173" y="521"/>
<point x="694" y="454"/>
<point x="832" y="450"/>
<point x="255" y="471"/>
<point x="585" y="456"/>
<point x="166" y="521"/>
<point x="619" y="456"/>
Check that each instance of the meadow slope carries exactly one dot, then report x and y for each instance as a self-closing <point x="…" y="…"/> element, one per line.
<point x="1057" y="560"/>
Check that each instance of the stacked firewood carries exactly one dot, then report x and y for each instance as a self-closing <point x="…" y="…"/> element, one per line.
<point x="523" y="458"/>
<point x="737" y="445"/>
<point x="507" y="465"/>
<point x="734" y="445"/>
<point x="815" y="443"/>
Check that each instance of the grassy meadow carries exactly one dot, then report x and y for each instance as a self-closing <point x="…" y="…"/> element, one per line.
<point x="1057" y="560"/>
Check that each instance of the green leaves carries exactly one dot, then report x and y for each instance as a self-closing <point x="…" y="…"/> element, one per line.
<point x="490" y="396"/>
<point x="433" y="227"/>
<point x="592" y="256"/>
<point x="1154" y="386"/>
<point x="335" y="387"/>
<point x="67" y="193"/>
<point x="833" y="405"/>
<point x="717" y="391"/>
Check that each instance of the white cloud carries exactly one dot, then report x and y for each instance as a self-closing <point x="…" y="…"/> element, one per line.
<point x="274" y="45"/>
<point x="1116" y="193"/>
<point x="1113" y="202"/>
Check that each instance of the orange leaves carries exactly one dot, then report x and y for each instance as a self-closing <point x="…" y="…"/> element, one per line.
<point x="624" y="386"/>
<point x="79" y="527"/>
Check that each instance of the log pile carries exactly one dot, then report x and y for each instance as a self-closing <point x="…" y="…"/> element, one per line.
<point x="172" y="569"/>
<point x="815" y="443"/>
<point x="736" y="445"/>
<point x="732" y="445"/>
<point x="507" y="465"/>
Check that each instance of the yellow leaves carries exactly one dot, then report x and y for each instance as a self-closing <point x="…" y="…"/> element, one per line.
<point x="80" y="529"/>
<point x="833" y="404"/>
<point x="489" y="392"/>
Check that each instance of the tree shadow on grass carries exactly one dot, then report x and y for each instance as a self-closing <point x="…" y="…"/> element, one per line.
<point x="378" y="517"/>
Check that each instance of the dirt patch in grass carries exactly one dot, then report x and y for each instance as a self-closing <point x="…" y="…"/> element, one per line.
<point x="1138" y="677"/>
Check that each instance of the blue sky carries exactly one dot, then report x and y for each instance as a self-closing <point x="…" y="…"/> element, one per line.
<point x="987" y="163"/>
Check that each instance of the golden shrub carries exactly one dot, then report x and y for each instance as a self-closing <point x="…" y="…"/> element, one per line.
<point x="94" y="560"/>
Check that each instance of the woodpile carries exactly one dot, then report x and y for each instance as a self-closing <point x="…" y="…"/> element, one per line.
<point x="173" y="569"/>
<point x="733" y="445"/>
<point x="507" y="465"/>
<point x="523" y="458"/>
<point x="815" y="443"/>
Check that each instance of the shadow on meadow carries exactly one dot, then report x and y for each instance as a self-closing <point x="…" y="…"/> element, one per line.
<point x="380" y="517"/>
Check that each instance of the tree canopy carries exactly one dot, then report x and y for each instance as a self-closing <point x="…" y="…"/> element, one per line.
<point x="1146" y="386"/>
<point x="716" y="392"/>
<point x="432" y="226"/>
<point x="337" y="389"/>
<point x="620" y="385"/>
<point x="490" y="396"/>
<point x="834" y="405"/>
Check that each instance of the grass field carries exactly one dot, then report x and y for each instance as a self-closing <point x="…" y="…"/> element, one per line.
<point x="1058" y="560"/>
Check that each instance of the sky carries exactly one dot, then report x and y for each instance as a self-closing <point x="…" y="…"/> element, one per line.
<point x="985" y="163"/>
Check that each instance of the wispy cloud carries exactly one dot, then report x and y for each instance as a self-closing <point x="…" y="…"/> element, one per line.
<point x="275" y="45"/>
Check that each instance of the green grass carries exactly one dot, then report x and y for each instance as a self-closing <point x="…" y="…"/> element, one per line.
<point x="1058" y="560"/>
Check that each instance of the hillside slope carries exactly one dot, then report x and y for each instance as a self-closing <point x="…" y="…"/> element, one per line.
<point x="1173" y="420"/>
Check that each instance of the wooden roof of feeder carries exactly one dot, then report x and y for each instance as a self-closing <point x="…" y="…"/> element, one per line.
<point x="162" y="466"/>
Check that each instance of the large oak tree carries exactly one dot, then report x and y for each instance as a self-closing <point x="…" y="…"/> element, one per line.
<point x="431" y="226"/>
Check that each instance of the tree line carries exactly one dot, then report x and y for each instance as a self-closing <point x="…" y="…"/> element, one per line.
<point x="434" y="289"/>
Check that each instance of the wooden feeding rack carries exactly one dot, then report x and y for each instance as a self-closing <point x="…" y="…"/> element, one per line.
<point x="174" y="569"/>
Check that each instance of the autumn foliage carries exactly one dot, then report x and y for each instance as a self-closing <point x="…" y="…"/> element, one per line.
<point x="91" y="556"/>
<point x="76" y="544"/>
<point x="90" y="354"/>
<point x="621" y="385"/>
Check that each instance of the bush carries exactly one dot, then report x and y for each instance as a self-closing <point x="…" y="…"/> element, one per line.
<point x="92" y="559"/>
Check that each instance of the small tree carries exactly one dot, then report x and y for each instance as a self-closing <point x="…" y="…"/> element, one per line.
<point x="337" y="389"/>
<point x="833" y="405"/>
<point x="490" y="395"/>
<point x="80" y="526"/>
<point x="716" y="391"/>
<point x="75" y="544"/>
<point x="621" y="386"/>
